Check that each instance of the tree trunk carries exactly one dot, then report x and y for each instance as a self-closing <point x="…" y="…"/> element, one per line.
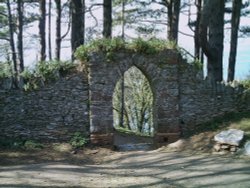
<point x="170" y="16"/>
<point x="58" y="29"/>
<point x="107" y="19"/>
<point x="49" y="32"/>
<point x="212" y="19"/>
<point x="42" y="27"/>
<point x="78" y="24"/>
<point x="175" y="20"/>
<point x="122" y="101"/>
<point x="123" y="20"/>
<point x="197" y="48"/>
<point x="235" y="21"/>
<point x="173" y="7"/>
<point x="12" y="40"/>
<point x="20" y="35"/>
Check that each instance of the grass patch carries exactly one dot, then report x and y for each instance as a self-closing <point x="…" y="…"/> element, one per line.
<point x="240" y="120"/>
<point x="131" y="132"/>
<point x="11" y="143"/>
<point x="110" y="46"/>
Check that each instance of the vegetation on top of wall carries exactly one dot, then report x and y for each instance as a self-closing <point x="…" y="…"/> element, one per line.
<point x="109" y="46"/>
<point x="45" y="72"/>
<point x="246" y="82"/>
<point x="197" y="64"/>
<point x="246" y="94"/>
<point x="5" y="70"/>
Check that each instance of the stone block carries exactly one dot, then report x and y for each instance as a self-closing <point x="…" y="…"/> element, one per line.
<point x="102" y="139"/>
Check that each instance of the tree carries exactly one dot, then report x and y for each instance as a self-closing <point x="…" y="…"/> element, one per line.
<point x="58" y="29"/>
<point x="20" y="34"/>
<point x="12" y="41"/>
<point x="78" y="24"/>
<point x="173" y="7"/>
<point x="107" y="18"/>
<point x="42" y="27"/>
<point x="212" y="19"/>
<point x="49" y="31"/>
<point x="235" y="21"/>
<point x="197" y="48"/>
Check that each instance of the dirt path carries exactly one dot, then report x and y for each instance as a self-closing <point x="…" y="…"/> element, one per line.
<point x="134" y="169"/>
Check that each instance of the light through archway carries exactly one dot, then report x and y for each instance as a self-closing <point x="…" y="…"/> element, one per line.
<point x="133" y="103"/>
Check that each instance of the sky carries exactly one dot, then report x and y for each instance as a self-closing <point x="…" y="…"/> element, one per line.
<point x="242" y="69"/>
<point x="243" y="53"/>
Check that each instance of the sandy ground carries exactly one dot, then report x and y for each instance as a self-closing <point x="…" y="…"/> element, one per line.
<point x="186" y="163"/>
<point x="157" y="168"/>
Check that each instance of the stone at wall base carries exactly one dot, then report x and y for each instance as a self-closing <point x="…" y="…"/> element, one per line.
<point x="102" y="139"/>
<point x="161" y="139"/>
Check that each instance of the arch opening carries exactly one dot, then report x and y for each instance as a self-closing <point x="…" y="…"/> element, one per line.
<point x="133" y="104"/>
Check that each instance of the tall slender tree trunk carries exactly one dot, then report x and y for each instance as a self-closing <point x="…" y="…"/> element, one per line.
<point x="42" y="27"/>
<point x="12" y="41"/>
<point x="212" y="19"/>
<point x="78" y="24"/>
<point x="235" y="21"/>
<point x="175" y="20"/>
<point x="122" y="101"/>
<point x="49" y="31"/>
<point x="169" y="22"/>
<point x="107" y="19"/>
<point x="58" y="29"/>
<point x="197" y="47"/>
<point x="123" y="19"/>
<point x="173" y="7"/>
<point x="20" y="35"/>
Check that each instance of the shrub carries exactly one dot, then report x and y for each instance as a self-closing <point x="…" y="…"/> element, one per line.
<point x="5" y="70"/>
<point x="78" y="140"/>
<point x="45" y="72"/>
<point x="30" y="144"/>
<point x="109" y="46"/>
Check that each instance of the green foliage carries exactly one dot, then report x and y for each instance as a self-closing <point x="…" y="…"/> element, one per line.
<point x="151" y="46"/>
<point x="109" y="46"/>
<point x="138" y="104"/>
<point x="230" y="120"/>
<point x="31" y="145"/>
<point x="127" y="131"/>
<point x="45" y="72"/>
<point x="246" y="83"/>
<point x="78" y="140"/>
<point x="5" y="70"/>
<point x="245" y="98"/>
<point x="197" y="64"/>
<point x="10" y="143"/>
<point x="13" y="143"/>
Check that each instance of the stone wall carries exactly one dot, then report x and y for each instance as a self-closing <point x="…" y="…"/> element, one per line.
<point x="52" y="113"/>
<point x="182" y="99"/>
<point x="202" y="100"/>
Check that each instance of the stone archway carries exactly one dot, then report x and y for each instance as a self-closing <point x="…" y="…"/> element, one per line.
<point x="161" y="71"/>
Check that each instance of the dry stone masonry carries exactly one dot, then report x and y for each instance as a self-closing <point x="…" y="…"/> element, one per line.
<point x="52" y="113"/>
<point x="82" y="101"/>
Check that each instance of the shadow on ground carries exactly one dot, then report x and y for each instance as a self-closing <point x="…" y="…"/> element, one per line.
<point x="134" y="169"/>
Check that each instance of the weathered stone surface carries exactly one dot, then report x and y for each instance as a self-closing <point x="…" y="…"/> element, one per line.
<point x="52" y="113"/>
<point x="247" y="148"/>
<point x="230" y="137"/>
<point x="82" y="101"/>
<point x="217" y="147"/>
